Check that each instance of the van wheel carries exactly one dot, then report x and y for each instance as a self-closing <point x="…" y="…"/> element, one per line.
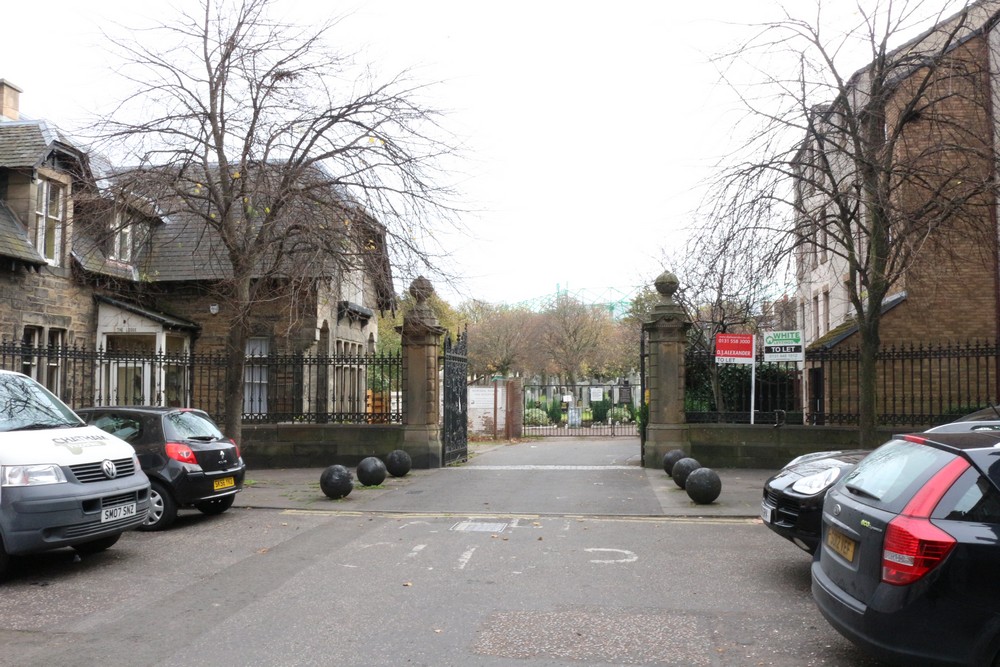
<point x="95" y="546"/>
<point x="216" y="505"/>
<point x="162" y="508"/>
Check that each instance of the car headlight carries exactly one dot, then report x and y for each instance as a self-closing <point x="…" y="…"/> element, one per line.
<point x="34" y="475"/>
<point x="815" y="483"/>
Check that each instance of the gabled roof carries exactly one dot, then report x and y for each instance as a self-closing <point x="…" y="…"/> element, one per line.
<point x="25" y="144"/>
<point x="168" y="321"/>
<point x="14" y="242"/>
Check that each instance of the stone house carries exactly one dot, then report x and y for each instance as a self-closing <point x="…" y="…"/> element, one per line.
<point x="79" y="269"/>
<point x="948" y="288"/>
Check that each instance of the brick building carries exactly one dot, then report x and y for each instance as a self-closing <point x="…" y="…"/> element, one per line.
<point x="941" y="119"/>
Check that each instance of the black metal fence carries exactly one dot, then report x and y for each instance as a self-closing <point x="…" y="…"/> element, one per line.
<point x="581" y="409"/>
<point x="917" y="385"/>
<point x="276" y="388"/>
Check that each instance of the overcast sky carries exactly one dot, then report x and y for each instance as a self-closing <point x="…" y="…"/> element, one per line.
<point x="591" y="127"/>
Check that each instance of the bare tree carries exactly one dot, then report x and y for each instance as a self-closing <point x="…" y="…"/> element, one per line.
<point x="874" y="168"/>
<point x="258" y="135"/>
<point x="725" y="282"/>
<point x="571" y="334"/>
<point x="500" y="338"/>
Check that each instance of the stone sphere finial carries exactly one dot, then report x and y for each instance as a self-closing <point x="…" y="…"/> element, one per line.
<point x="421" y="289"/>
<point x="666" y="284"/>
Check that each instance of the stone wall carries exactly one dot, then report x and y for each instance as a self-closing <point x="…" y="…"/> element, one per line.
<point x="318" y="445"/>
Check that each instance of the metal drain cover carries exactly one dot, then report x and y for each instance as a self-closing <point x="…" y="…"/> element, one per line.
<point x="480" y="526"/>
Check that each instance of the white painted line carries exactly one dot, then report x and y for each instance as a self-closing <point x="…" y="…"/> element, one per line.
<point x="416" y="550"/>
<point x="630" y="556"/>
<point x="464" y="559"/>
<point x="543" y="467"/>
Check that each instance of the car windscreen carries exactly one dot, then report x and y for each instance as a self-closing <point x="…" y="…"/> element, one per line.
<point x="186" y="425"/>
<point x="889" y="476"/>
<point x="25" y="404"/>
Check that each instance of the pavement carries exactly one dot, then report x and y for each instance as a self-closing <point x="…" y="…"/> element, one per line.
<point x="504" y="479"/>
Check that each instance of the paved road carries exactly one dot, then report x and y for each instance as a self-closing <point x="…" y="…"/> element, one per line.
<point x="387" y="579"/>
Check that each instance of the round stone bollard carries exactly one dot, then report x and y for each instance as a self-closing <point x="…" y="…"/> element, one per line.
<point x="371" y="471"/>
<point x="703" y="486"/>
<point x="398" y="463"/>
<point x="682" y="469"/>
<point x="336" y="482"/>
<point x="670" y="458"/>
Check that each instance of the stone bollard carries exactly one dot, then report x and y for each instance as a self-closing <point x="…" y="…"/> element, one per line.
<point x="682" y="469"/>
<point x="371" y="471"/>
<point x="336" y="482"/>
<point x="703" y="486"/>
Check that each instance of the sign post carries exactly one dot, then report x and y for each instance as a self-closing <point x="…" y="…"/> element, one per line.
<point x="738" y="349"/>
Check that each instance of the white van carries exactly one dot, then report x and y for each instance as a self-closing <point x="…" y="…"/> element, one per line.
<point x="62" y="483"/>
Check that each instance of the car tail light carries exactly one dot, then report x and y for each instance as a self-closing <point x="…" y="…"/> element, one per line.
<point x="238" y="455"/>
<point x="913" y="545"/>
<point x="180" y="452"/>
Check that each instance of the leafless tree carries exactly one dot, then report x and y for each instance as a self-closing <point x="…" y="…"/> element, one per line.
<point x="291" y="163"/>
<point x="725" y="281"/>
<point x="873" y="168"/>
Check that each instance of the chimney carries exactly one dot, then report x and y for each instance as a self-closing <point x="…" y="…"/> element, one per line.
<point x="9" y="98"/>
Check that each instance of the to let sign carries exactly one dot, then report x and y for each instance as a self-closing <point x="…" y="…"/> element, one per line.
<point x="784" y="346"/>
<point x="734" y="348"/>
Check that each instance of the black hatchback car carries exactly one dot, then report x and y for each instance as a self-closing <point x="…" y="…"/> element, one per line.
<point x="189" y="462"/>
<point x="793" y="497"/>
<point x="908" y="566"/>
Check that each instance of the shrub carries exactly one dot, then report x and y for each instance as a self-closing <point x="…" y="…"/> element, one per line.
<point x="535" y="417"/>
<point x="600" y="410"/>
<point x="620" y="414"/>
<point x="555" y="412"/>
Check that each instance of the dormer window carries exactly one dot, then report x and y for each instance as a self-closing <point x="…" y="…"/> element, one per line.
<point x="50" y="207"/>
<point x="121" y="234"/>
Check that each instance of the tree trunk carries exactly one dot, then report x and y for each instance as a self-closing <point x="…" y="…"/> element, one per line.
<point x="236" y="343"/>
<point x="867" y="399"/>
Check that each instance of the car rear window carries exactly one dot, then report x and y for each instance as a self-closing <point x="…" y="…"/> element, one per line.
<point x="889" y="476"/>
<point x="187" y="425"/>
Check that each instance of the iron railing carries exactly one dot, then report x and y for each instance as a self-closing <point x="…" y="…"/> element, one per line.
<point x="276" y="388"/>
<point x="916" y="385"/>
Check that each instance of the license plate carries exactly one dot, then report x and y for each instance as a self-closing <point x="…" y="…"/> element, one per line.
<point x="766" y="513"/>
<point x="223" y="483"/>
<point x="840" y="544"/>
<point x="117" y="512"/>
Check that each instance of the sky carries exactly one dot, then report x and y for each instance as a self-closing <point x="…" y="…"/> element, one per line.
<point x="590" y="128"/>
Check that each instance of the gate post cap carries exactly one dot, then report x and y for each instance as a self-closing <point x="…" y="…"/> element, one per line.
<point x="666" y="284"/>
<point x="421" y="289"/>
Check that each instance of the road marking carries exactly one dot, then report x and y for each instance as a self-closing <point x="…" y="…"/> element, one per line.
<point x="630" y="556"/>
<point x="416" y="550"/>
<point x="464" y="559"/>
<point x="544" y="467"/>
<point x="699" y="520"/>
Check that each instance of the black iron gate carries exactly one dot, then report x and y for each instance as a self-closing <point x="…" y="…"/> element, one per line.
<point x="456" y="400"/>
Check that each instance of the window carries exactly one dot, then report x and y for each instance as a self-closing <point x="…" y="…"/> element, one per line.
<point x="121" y="239"/>
<point x="826" y="311"/>
<point x="30" y="342"/>
<point x="49" y="212"/>
<point x="815" y="317"/>
<point x="53" y="364"/>
<point x="255" y="377"/>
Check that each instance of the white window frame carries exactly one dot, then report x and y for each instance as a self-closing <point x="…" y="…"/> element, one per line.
<point x="255" y="376"/>
<point x="47" y="220"/>
<point x="121" y="239"/>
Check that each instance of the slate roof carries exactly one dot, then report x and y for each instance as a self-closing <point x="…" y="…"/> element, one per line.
<point x="26" y="144"/>
<point x="14" y="242"/>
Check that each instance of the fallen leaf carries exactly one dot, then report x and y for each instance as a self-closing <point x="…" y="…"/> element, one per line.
<point x="407" y="583"/>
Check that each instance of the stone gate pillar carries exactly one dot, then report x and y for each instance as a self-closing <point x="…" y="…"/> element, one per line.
<point x="667" y="329"/>
<point x="421" y="338"/>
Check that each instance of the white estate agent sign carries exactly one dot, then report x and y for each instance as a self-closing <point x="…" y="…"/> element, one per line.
<point x="784" y="346"/>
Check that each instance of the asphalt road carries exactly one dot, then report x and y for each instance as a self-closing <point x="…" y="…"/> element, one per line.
<point x="387" y="581"/>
